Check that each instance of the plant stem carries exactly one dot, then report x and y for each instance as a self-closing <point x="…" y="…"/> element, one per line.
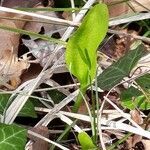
<point x="78" y="101"/>
<point x="112" y="147"/>
<point x="44" y="37"/>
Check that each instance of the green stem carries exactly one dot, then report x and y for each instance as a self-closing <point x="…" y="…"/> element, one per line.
<point x="49" y="9"/>
<point x="64" y="134"/>
<point x="33" y="34"/>
<point x="79" y="100"/>
<point x="94" y="117"/>
<point x="112" y="147"/>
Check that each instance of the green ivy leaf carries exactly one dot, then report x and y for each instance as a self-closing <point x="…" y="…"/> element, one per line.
<point x="56" y="96"/>
<point x="144" y="82"/>
<point x="81" y="47"/>
<point x="86" y="141"/>
<point x="120" y="69"/>
<point x="26" y="111"/>
<point x="133" y="98"/>
<point x="12" y="137"/>
<point x="3" y="102"/>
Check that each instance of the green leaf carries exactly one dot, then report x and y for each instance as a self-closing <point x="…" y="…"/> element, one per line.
<point x="120" y="69"/>
<point x="26" y="111"/>
<point x="86" y="142"/>
<point x="12" y="137"/>
<point x="3" y="102"/>
<point x="144" y="82"/>
<point x="81" y="47"/>
<point x="133" y="98"/>
<point x="56" y="96"/>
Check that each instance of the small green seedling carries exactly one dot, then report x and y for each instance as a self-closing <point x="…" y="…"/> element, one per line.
<point x="81" y="55"/>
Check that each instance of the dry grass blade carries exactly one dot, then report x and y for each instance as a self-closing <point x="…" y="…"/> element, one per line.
<point x="46" y="119"/>
<point x="131" y="18"/>
<point x="52" y="19"/>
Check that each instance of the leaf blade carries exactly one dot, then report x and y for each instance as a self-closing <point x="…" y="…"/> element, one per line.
<point x="118" y="70"/>
<point x="86" y="141"/>
<point x="133" y="98"/>
<point x="27" y="110"/>
<point x="84" y="42"/>
<point x="12" y="137"/>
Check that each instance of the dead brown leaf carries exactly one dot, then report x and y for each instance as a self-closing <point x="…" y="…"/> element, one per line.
<point x="118" y="7"/>
<point x="10" y="66"/>
<point x="40" y="49"/>
<point x="139" y="5"/>
<point x="135" y="115"/>
<point x="36" y="26"/>
<point x="146" y="144"/>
